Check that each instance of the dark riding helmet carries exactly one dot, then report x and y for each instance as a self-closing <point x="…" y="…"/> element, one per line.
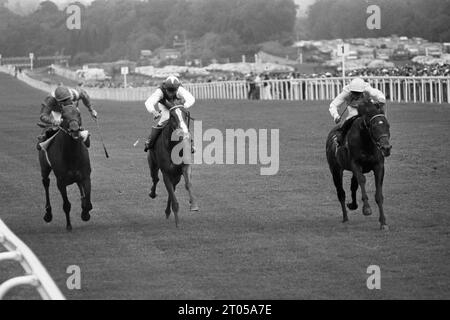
<point x="62" y="94"/>
<point x="171" y="84"/>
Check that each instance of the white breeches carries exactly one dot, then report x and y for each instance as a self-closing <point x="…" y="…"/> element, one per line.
<point x="165" y="114"/>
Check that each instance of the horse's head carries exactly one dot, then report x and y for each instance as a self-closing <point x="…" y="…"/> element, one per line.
<point x="71" y="120"/>
<point x="179" y="121"/>
<point x="378" y="126"/>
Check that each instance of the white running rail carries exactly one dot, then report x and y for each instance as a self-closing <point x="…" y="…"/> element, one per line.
<point x="396" y="89"/>
<point x="36" y="275"/>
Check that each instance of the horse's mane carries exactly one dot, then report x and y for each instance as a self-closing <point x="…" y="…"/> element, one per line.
<point x="366" y="106"/>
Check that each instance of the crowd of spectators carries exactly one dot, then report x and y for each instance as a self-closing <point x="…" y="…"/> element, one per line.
<point x="409" y="70"/>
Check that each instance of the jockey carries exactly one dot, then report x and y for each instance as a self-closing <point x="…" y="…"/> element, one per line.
<point x="52" y="106"/>
<point x="354" y="91"/>
<point x="169" y="94"/>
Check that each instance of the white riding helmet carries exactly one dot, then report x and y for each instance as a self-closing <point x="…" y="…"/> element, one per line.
<point x="172" y="83"/>
<point x="357" y="85"/>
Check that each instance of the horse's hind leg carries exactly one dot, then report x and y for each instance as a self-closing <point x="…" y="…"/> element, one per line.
<point x="86" y="205"/>
<point x="379" y="177"/>
<point x="66" y="204"/>
<point x="187" y="173"/>
<point x="337" y="179"/>
<point x="154" y="174"/>
<point x="357" y="171"/>
<point x="354" y="187"/>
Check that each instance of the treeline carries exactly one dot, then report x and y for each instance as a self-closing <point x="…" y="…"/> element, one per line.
<point x="331" y="19"/>
<point x="115" y="29"/>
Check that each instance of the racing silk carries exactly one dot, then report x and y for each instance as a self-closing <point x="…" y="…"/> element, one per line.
<point x="51" y="109"/>
<point x="164" y="103"/>
<point x="345" y="96"/>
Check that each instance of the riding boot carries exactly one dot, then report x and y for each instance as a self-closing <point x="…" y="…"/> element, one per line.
<point x="41" y="138"/>
<point x="152" y="138"/>
<point x="341" y="132"/>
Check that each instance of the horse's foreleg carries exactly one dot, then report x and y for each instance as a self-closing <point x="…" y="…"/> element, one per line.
<point x="337" y="179"/>
<point x="154" y="174"/>
<point x="187" y="173"/>
<point x="48" y="208"/>
<point x="379" y="177"/>
<point x="86" y="205"/>
<point x="66" y="203"/>
<point x="45" y="172"/>
<point x="357" y="171"/>
<point x="172" y="198"/>
<point x="354" y="187"/>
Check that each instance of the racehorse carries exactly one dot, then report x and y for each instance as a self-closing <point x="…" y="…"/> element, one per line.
<point x="364" y="149"/>
<point x="68" y="157"/>
<point x="161" y="158"/>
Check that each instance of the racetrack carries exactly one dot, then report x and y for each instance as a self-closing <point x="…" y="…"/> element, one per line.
<point x="256" y="237"/>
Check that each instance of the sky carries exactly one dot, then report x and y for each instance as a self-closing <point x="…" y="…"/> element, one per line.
<point x="27" y="6"/>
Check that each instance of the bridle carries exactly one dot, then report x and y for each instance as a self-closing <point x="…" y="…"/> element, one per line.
<point x="68" y="131"/>
<point x="368" y="126"/>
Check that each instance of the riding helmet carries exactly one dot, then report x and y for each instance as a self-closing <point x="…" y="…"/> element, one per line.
<point x="171" y="84"/>
<point x="62" y="94"/>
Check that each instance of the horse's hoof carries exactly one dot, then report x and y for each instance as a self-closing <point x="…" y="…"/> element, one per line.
<point x="48" y="218"/>
<point x="69" y="228"/>
<point x="85" y="217"/>
<point x="352" y="206"/>
<point x="152" y="195"/>
<point x="195" y="208"/>
<point x="367" y="211"/>
<point x="384" y="227"/>
<point x="344" y="220"/>
<point x="167" y="215"/>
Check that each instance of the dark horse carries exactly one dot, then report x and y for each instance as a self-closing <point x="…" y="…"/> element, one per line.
<point x="163" y="154"/>
<point x="364" y="149"/>
<point x="68" y="157"/>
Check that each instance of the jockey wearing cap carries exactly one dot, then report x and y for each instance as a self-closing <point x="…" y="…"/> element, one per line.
<point x="169" y="94"/>
<point x="52" y="106"/>
<point x="353" y="92"/>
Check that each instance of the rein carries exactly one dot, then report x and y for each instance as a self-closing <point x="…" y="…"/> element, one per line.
<point x="188" y="114"/>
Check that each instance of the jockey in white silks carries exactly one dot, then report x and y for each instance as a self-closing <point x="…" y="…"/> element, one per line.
<point x="350" y="93"/>
<point x="169" y="94"/>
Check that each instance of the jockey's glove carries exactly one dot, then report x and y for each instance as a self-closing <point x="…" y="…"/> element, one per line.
<point x="56" y="122"/>
<point x="156" y="115"/>
<point x="337" y="120"/>
<point x="94" y="114"/>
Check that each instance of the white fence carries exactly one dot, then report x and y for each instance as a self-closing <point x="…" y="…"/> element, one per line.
<point x="117" y="94"/>
<point x="66" y="73"/>
<point x="36" y="275"/>
<point x="397" y="89"/>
